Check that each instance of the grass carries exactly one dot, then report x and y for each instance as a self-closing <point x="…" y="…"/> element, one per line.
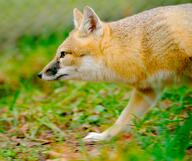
<point x="47" y="120"/>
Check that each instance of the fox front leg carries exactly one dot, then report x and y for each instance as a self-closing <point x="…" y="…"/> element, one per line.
<point x="139" y="103"/>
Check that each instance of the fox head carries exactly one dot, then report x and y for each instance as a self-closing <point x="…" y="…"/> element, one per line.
<point x="80" y="56"/>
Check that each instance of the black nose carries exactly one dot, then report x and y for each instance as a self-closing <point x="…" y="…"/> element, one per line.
<point x="39" y="75"/>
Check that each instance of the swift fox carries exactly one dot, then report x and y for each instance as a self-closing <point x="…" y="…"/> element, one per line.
<point x="147" y="51"/>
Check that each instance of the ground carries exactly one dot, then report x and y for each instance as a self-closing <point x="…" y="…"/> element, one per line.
<point x="47" y="120"/>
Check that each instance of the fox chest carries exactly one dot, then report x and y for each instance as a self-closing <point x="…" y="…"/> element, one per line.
<point x="159" y="79"/>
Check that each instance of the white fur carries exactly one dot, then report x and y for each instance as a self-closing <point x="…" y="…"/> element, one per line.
<point x="45" y="77"/>
<point x="157" y="80"/>
<point x="93" y="136"/>
<point x="95" y="70"/>
<point x="160" y="75"/>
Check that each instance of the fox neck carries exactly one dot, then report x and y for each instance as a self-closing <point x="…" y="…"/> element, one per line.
<point x="121" y="47"/>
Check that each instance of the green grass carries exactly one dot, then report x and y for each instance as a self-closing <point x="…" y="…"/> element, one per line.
<point x="47" y="120"/>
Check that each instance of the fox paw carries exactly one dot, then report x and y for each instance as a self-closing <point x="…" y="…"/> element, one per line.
<point x="94" y="137"/>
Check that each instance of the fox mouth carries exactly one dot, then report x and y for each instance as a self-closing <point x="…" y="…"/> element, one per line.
<point x="60" y="76"/>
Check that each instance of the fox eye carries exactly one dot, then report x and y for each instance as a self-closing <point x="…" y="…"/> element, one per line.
<point x="62" y="54"/>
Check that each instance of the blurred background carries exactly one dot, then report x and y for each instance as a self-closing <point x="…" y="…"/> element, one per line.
<point x="46" y="120"/>
<point x="41" y="18"/>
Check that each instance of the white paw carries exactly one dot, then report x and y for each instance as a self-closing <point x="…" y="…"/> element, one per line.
<point x="93" y="136"/>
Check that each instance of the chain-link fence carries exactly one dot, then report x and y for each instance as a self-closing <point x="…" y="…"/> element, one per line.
<point x="34" y="17"/>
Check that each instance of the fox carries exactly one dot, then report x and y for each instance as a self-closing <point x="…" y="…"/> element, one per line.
<point x="148" y="51"/>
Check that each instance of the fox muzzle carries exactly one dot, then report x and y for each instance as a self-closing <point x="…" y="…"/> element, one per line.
<point x="50" y="70"/>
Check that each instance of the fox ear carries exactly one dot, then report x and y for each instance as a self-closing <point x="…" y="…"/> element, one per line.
<point x="77" y="17"/>
<point x="91" y="22"/>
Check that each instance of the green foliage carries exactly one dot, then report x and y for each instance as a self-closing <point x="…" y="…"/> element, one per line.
<point x="169" y="135"/>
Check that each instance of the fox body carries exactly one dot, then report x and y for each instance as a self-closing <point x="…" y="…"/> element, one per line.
<point x="147" y="51"/>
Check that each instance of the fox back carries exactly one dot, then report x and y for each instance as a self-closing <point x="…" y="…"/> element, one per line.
<point x="141" y="50"/>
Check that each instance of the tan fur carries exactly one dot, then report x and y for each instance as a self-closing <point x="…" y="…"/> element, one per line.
<point x="148" y="51"/>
